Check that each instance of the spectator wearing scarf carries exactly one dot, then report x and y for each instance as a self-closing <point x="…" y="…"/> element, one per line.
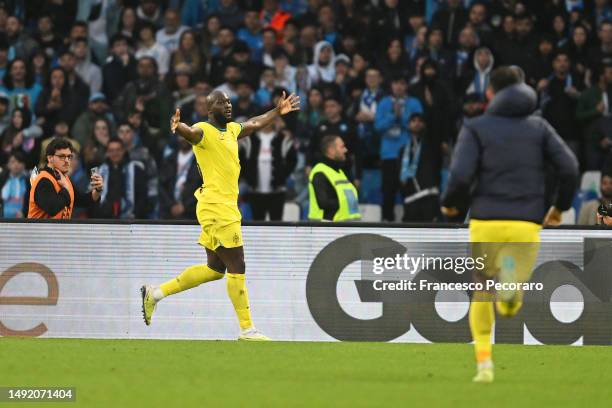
<point x="420" y="173"/>
<point x="125" y="185"/>
<point x="483" y="64"/>
<point x="365" y="110"/>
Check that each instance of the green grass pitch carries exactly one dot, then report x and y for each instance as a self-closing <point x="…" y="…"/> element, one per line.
<point x="152" y="373"/>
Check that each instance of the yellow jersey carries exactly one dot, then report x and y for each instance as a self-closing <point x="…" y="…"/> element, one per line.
<point x="217" y="158"/>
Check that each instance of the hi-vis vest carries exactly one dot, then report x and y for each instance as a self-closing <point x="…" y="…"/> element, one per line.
<point x="348" y="203"/>
<point x="36" y="212"/>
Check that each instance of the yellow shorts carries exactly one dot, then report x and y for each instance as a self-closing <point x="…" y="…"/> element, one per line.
<point x="506" y="244"/>
<point x="220" y="225"/>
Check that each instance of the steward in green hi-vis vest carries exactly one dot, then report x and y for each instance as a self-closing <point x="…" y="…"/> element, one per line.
<point x="348" y="203"/>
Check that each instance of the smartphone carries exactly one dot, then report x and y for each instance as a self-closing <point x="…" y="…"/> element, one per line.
<point x="94" y="170"/>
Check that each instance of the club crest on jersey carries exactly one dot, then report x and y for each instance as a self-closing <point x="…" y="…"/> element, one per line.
<point x="222" y="136"/>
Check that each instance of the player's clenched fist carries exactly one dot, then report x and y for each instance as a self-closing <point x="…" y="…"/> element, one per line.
<point x="174" y="122"/>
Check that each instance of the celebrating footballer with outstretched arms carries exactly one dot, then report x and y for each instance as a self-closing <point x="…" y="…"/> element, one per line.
<point x="215" y="147"/>
<point x="220" y="111"/>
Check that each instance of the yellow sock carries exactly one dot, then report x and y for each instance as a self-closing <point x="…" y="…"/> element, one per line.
<point x="191" y="277"/>
<point x="482" y="317"/>
<point x="237" y="292"/>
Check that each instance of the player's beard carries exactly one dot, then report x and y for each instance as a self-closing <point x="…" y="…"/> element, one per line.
<point x="220" y="118"/>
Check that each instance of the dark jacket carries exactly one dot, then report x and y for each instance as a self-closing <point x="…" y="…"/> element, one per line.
<point x="559" y="108"/>
<point x="439" y="114"/>
<point x="518" y="51"/>
<point x="451" y="22"/>
<point x="68" y="112"/>
<point x="125" y="191"/>
<point x="428" y="168"/>
<point x="284" y="159"/>
<point x="116" y="75"/>
<point x="157" y="107"/>
<point x="167" y="182"/>
<point x="501" y="158"/>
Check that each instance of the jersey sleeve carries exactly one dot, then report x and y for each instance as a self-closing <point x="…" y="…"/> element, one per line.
<point x="205" y="137"/>
<point x="235" y="129"/>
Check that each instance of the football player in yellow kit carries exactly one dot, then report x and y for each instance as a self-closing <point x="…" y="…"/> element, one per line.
<point x="215" y="146"/>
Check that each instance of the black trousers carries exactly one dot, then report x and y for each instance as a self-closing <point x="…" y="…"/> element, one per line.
<point x="267" y="203"/>
<point x="390" y="187"/>
<point x="426" y="209"/>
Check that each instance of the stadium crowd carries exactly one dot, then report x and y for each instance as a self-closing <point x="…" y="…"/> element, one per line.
<point x="395" y="79"/>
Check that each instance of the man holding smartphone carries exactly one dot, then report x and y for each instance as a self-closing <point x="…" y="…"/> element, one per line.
<point x="52" y="195"/>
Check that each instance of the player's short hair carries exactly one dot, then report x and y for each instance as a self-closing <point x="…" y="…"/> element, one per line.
<point x="504" y="77"/>
<point x="327" y="141"/>
<point x="59" y="143"/>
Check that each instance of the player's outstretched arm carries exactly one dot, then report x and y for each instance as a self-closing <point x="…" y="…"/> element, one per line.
<point x="285" y="105"/>
<point x="192" y="134"/>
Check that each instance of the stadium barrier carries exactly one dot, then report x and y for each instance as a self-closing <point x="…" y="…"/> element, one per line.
<point x="305" y="283"/>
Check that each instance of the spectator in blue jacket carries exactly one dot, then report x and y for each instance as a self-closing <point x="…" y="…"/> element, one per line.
<point x="13" y="188"/>
<point x="391" y="121"/>
<point x="251" y="34"/>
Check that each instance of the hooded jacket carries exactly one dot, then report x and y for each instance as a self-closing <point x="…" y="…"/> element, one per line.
<point x="480" y="79"/>
<point x="501" y="158"/>
<point x="318" y="73"/>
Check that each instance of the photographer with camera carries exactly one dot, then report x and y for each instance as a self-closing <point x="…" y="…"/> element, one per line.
<point x="593" y="212"/>
<point x="604" y="214"/>
<point x="52" y="194"/>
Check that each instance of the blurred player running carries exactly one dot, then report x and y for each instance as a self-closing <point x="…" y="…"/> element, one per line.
<point x="215" y="146"/>
<point x="500" y="161"/>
